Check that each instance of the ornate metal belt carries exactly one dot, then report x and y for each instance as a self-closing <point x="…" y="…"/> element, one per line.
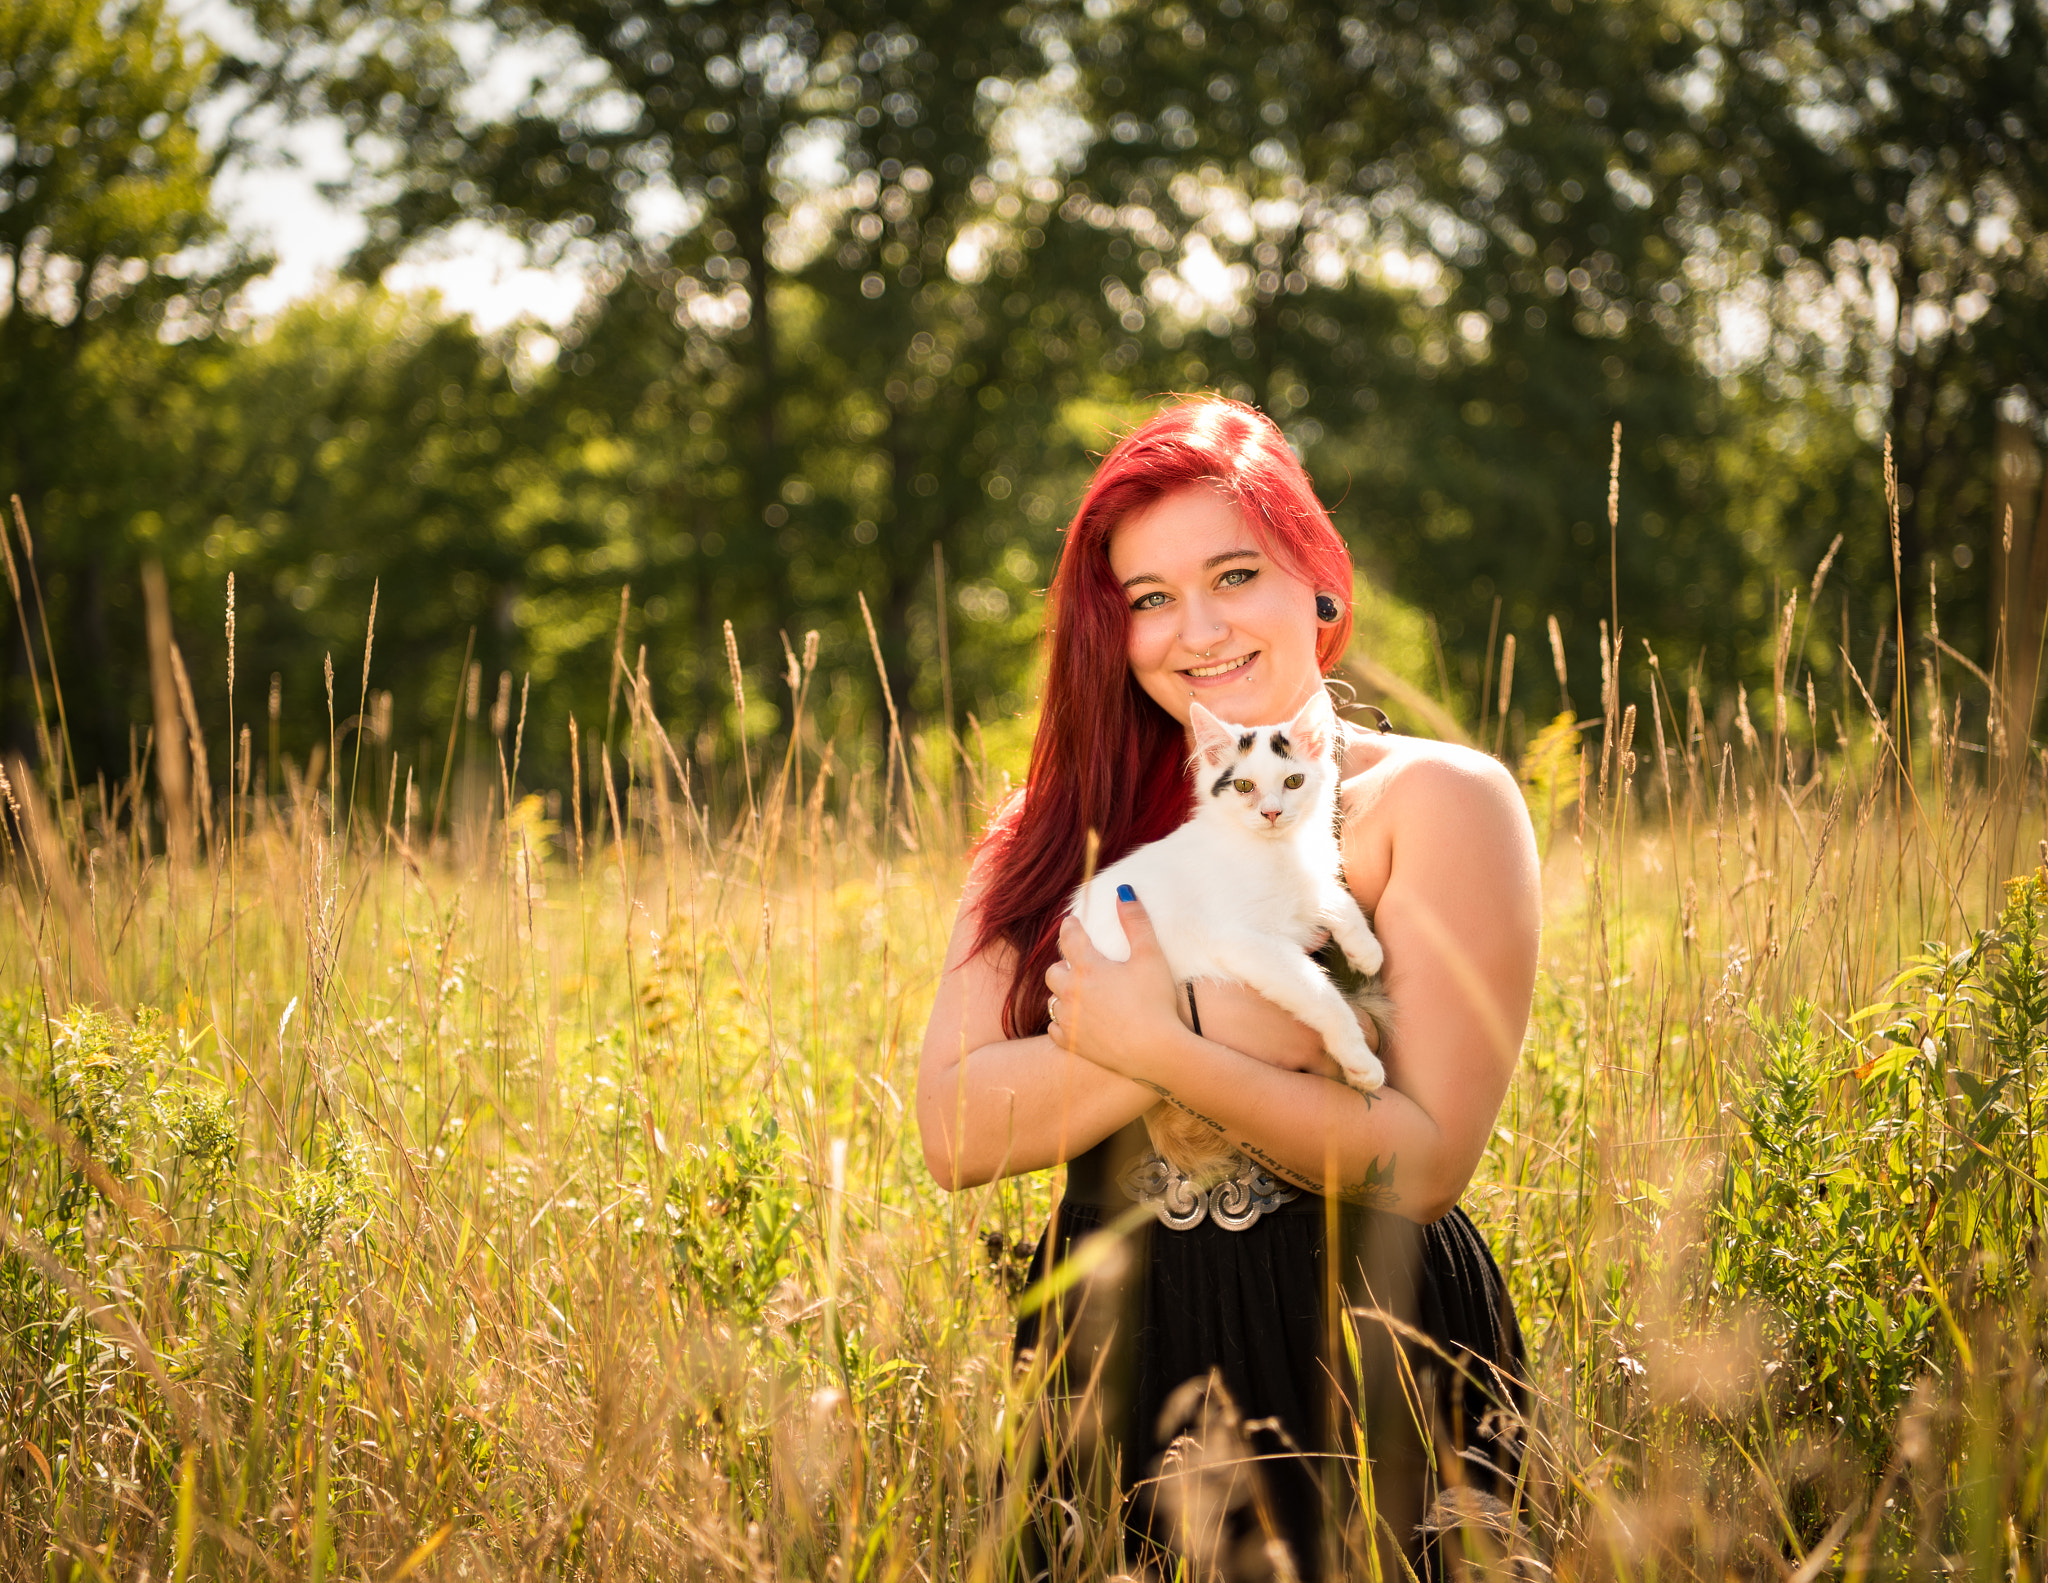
<point x="1234" y="1202"/>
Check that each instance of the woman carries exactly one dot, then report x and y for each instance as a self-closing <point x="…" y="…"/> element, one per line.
<point x="1202" y="565"/>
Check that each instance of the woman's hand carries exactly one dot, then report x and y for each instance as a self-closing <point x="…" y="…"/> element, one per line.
<point x="1115" y="1014"/>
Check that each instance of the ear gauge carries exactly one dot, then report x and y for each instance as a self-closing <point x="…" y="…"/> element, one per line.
<point x="1326" y="608"/>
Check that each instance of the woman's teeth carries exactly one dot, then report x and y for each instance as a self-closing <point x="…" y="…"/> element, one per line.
<point x="1222" y="667"/>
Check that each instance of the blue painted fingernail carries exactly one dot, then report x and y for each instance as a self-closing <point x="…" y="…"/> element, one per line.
<point x="1125" y="893"/>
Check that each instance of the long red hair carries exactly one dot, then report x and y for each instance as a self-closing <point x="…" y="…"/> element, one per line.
<point x="1106" y="757"/>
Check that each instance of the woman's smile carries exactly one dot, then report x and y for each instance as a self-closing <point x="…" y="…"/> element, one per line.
<point x="1221" y="670"/>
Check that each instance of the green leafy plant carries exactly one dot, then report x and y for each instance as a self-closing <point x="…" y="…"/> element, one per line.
<point x="732" y="1213"/>
<point x="92" y="1082"/>
<point x="1882" y="1190"/>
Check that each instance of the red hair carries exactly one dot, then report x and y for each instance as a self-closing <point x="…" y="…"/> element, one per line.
<point x="1106" y="757"/>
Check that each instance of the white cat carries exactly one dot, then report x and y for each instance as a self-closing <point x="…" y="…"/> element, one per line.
<point x="1243" y="890"/>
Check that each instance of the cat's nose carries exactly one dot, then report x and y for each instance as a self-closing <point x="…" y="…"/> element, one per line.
<point x="1272" y="815"/>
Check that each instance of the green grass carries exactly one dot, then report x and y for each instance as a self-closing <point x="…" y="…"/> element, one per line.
<point x="528" y="1201"/>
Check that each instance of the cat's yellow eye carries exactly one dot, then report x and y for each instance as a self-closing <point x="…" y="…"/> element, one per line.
<point x="1242" y="786"/>
<point x="1294" y="782"/>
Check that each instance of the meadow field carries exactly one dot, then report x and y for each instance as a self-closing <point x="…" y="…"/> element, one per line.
<point x="409" y="1171"/>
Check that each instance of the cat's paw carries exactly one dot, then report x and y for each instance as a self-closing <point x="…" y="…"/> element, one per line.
<point x="1362" y="1069"/>
<point x="1361" y="947"/>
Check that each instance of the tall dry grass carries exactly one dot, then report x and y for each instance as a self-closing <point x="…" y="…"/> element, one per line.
<point x="406" y="1175"/>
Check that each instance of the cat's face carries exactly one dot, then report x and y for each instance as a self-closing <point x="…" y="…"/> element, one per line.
<point x="1265" y="778"/>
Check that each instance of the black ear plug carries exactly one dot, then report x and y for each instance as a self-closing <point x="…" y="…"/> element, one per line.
<point x="1326" y="607"/>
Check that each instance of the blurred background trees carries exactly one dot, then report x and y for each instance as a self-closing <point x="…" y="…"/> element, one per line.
<point x="868" y="285"/>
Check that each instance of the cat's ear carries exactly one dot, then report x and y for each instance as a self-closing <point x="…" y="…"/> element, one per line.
<point x="1314" y="727"/>
<point x="1215" y="742"/>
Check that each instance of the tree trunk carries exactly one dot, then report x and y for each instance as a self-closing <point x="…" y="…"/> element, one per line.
<point x="2021" y="584"/>
<point x="750" y="227"/>
<point x="1913" y="415"/>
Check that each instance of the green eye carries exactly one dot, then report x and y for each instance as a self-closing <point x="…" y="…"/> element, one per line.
<point x="1242" y="786"/>
<point x="1294" y="782"/>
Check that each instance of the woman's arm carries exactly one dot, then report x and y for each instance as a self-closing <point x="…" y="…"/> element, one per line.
<point x="1243" y="1020"/>
<point x="1458" y="912"/>
<point x="990" y="1106"/>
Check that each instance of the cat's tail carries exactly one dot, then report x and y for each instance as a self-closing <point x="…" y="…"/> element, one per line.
<point x="1373" y="1005"/>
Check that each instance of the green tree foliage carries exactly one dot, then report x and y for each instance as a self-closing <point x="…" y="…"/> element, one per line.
<point x="870" y="282"/>
<point x="1896" y="155"/>
<point x="847" y="342"/>
<point x="1437" y="287"/>
<point x="363" y="444"/>
<point x="104" y="190"/>
<point x="117" y="287"/>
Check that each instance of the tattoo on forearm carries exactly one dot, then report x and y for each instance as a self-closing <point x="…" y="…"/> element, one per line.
<point x="1252" y="1151"/>
<point x="1375" y="1190"/>
<point x="1182" y="1106"/>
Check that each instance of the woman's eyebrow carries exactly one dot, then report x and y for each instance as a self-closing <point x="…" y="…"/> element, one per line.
<point x="1209" y="565"/>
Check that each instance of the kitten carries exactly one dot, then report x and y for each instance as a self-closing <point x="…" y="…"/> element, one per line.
<point x="1243" y="890"/>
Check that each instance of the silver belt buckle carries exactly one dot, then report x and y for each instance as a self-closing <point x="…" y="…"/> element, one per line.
<point x="1235" y="1202"/>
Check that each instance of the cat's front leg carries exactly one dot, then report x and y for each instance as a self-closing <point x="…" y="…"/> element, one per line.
<point x="1298" y="987"/>
<point x="1348" y="926"/>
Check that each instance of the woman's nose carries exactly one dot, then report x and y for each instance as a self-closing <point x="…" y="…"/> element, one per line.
<point x="1201" y="629"/>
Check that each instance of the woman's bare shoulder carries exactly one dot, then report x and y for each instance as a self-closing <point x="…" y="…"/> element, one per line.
<point x="1436" y="802"/>
<point x="1417" y="768"/>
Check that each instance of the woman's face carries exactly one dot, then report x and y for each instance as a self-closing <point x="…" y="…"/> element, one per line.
<point x="1212" y="615"/>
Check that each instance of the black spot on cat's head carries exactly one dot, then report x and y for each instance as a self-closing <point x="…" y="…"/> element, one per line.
<point x="1223" y="782"/>
<point x="1280" y="744"/>
<point x="1244" y="743"/>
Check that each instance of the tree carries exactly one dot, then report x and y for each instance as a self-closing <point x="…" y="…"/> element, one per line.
<point x="115" y="271"/>
<point x="870" y="281"/>
<point x="1887" y="165"/>
<point x="1411" y="232"/>
<point x="104" y="199"/>
<point x="854" y="292"/>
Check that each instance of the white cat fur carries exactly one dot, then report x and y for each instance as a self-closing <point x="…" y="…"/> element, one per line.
<point x="1242" y="891"/>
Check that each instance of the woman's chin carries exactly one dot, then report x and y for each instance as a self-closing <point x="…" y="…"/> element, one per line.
<point x="1246" y="704"/>
<point x="1249" y="699"/>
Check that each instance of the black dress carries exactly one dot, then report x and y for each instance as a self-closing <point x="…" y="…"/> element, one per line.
<point x="1192" y="1385"/>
